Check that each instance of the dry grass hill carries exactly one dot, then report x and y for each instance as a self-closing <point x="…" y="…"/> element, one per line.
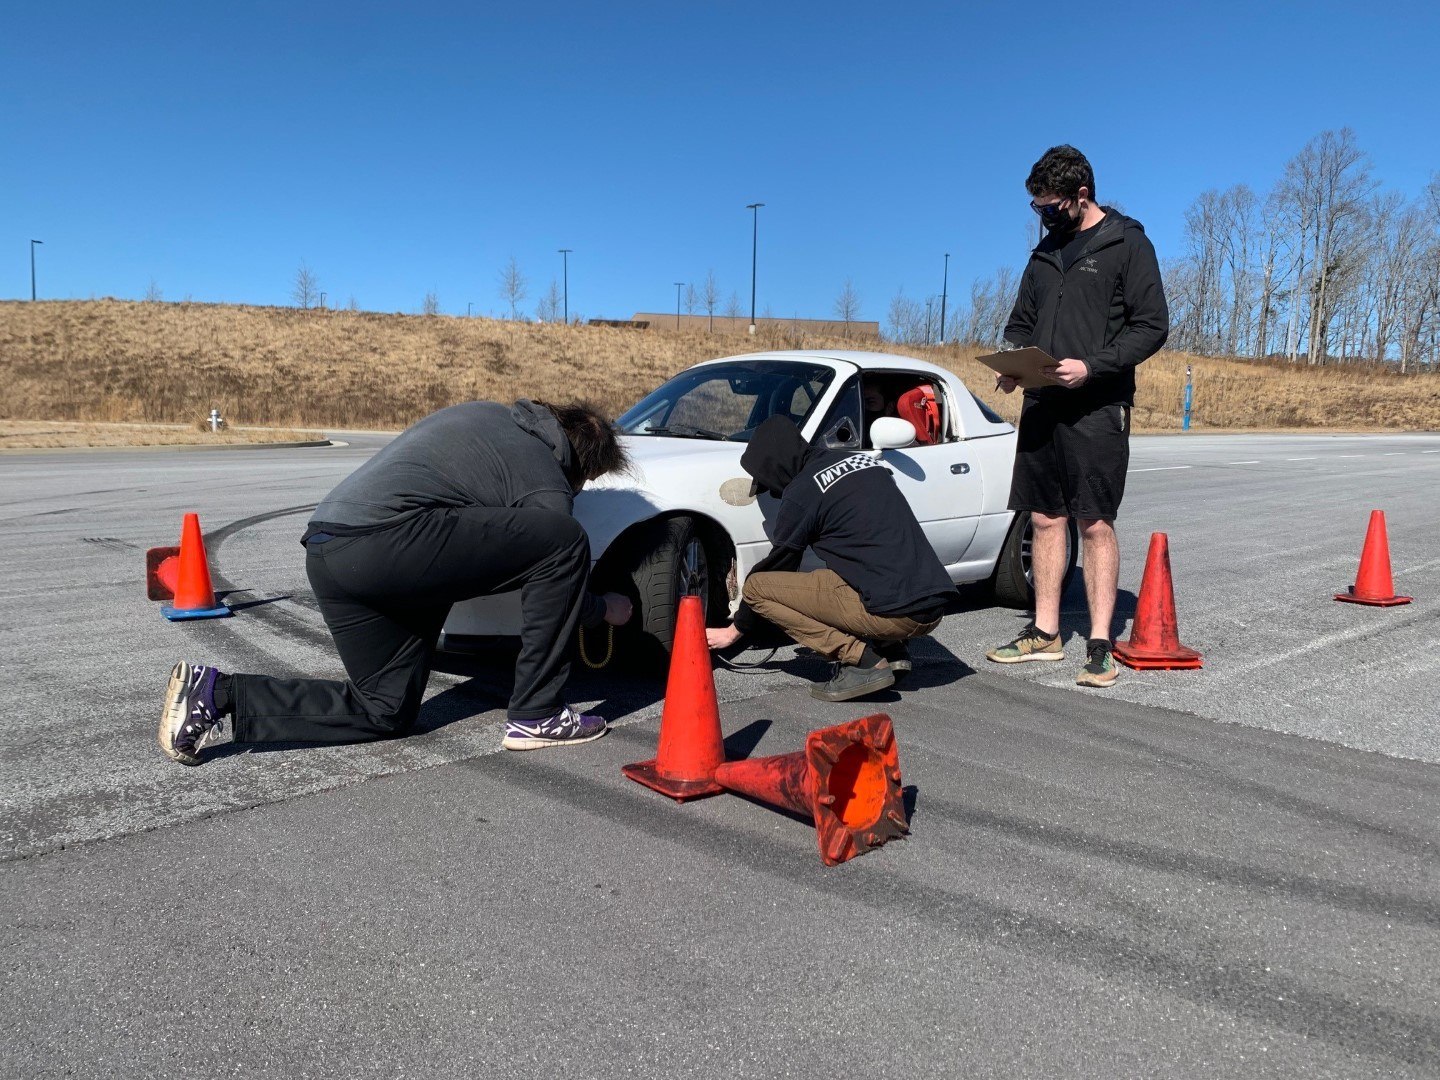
<point x="110" y="360"/>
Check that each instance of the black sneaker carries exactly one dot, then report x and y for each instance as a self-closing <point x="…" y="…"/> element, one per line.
<point x="189" y="722"/>
<point x="1099" y="669"/>
<point x="851" y="682"/>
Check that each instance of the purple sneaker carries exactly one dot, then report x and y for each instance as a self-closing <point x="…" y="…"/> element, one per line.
<point x="564" y="728"/>
<point x="189" y="722"/>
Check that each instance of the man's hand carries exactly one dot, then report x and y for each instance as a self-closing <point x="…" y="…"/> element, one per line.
<point x="1005" y="384"/>
<point x="617" y="608"/>
<point x="722" y="637"/>
<point x="1069" y="373"/>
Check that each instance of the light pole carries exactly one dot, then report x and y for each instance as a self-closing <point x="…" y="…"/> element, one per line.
<point x="754" y="208"/>
<point x="322" y="301"/>
<point x="468" y="305"/>
<point x="944" y="289"/>
<point x="565" y="277"/>
<point x="678" y="286"/>
<point x="32" y="267"/>
<point x="929" y="302"/>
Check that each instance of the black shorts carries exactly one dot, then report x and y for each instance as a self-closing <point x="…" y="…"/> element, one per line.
<point x="1071" y="462"/>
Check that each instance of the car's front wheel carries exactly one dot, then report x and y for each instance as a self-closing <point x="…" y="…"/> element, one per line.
<point x="1014" y="579"/>
<point x="674" y="563"/>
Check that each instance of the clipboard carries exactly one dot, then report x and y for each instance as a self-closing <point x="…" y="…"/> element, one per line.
<point x="1022" y="365"/>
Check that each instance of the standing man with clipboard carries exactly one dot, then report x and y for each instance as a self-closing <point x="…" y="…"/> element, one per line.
<point x="1090" y="296"/>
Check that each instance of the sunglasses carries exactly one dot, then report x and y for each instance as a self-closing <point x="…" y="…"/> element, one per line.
<point x="1048" y="211"/>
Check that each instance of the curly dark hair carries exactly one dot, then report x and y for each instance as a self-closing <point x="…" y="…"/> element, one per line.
<point x="1061" y="170"/>
<point x="593" y="438"/>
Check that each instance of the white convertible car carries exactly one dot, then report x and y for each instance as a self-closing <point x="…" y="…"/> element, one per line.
<point x="683" y="519"/>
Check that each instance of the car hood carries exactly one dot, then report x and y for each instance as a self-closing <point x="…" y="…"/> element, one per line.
<point x="671" y="475"/>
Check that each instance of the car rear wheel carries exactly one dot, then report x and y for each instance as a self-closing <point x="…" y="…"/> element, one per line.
<point x="1014" y="578"/>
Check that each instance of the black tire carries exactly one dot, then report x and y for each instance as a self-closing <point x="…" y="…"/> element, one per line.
<point x="674" y="552"/>
<point x="1012" y="583"/>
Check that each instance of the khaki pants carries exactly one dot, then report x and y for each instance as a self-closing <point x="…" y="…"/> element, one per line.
<point x="820" y="611"/>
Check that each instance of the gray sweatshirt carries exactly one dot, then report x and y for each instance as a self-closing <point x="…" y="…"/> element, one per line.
<point x="480" y="453"/>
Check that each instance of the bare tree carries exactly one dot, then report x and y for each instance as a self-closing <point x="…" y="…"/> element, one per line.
<point x="513" y="286"/>
<point x="692" y="299"/>
<point x="153" y="295"/>
<point x="431" y="305"/>
<point x="710" y="296"/>
<point x="906" y="320"/>
<point x="847" y="305"/>
<point x="306" y="289"/>
<point x="733" y="310"/>
<point x="1326" y="188"/>
<point x="352" y="305"/>
<point x="549" y="308"/>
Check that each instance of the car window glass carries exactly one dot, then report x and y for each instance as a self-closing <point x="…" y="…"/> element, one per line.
<point x="729" y="400"/>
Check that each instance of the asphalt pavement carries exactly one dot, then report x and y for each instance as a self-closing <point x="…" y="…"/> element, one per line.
<point x="1229" y="871"/>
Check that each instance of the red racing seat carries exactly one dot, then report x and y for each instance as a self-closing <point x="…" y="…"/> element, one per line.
<point x="920" y="407"/>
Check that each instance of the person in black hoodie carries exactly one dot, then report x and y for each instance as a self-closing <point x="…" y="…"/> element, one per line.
<point x="883" y="583"/>
<point x="472" y="500"/>
<point x="1091" y="295"/>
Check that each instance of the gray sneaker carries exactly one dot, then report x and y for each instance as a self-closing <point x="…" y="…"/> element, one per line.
<point x="565" y="728"/>
<point x="849" y="682"/>
<point x="1030" y="645"/>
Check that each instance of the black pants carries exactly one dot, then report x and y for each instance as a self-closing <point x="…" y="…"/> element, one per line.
<point x="385" y="597"/>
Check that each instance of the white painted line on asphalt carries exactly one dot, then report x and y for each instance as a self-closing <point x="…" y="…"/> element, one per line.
<point x="1349" y="455"/>
<point x="1430" y="451"/>
<point x="1395" y="453"/>
<point x="1162" y="468"/>
<point x="1300" y="459"/>
<point x="1243" y="463"/>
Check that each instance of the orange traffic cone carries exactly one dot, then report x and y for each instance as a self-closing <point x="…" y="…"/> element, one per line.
<point x="847" y="780"/>
<point x="1155" y="634"/>
<point x="183" y="574"/>
<point x="690" y="742"/>
<point x="1372" y="583"/>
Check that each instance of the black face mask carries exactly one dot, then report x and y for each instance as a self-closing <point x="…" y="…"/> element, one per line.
<point x="1060" y="223"/>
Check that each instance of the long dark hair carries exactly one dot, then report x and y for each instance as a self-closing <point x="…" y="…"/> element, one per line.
<point x="593" y="438"/>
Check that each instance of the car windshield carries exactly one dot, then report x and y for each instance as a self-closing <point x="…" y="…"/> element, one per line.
<point x="729" y="401"/>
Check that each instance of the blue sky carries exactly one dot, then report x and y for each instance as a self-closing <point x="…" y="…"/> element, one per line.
<point x="400" y="149"/>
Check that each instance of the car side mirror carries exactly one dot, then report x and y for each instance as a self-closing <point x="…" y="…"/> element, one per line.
<point x="891" y="433"/>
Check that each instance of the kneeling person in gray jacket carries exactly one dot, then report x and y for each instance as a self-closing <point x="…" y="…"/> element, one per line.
<point x="473" y="500"/>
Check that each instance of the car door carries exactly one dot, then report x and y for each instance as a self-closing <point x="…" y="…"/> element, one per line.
<point x="939" y="481"/>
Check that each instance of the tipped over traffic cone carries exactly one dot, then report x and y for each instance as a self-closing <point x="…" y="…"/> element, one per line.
<point x="1155" y="633"/>
<point x="183" y="575"/>
<point x="847" y="780"/>
<point x="1372" y="583"/>
<point x="690" y="742"/>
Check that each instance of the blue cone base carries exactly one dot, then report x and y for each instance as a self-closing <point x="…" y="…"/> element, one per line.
<point x="176" y="615"/>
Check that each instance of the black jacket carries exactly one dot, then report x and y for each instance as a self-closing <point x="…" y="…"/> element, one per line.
<point x="846" y="506"/>
<point x="1108" y="310"/>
